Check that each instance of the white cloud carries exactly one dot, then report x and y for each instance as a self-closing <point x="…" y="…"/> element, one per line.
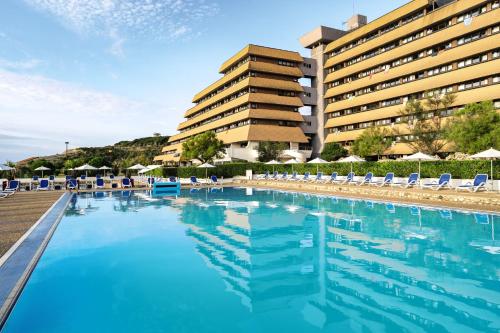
<point x="38" y="114"/>
<point x="20" y="64"/>
<point x="162" y="19"/>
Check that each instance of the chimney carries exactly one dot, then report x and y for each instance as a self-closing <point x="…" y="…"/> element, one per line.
<point x="356" y="21"/>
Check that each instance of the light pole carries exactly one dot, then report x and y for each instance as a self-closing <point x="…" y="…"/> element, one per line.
<point x="67" y="143"/>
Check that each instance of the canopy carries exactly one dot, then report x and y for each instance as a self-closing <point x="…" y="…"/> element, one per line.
<point x="318" y="160"/>
<point x="420" y="157"/>
<point x="351" y="159"/>
<point x="4" y="167"/>
<point x="487" y="154"/>
<point x="206" y="165"/>
<point x="104" y="168"/>
<point x="86" y="167"/>
<point x="42" y="168"/>
<point x="150" y="167"/>
<point x="137" y="167"/>
<point x="292" y="161"/>
<point x="273" y="162"/>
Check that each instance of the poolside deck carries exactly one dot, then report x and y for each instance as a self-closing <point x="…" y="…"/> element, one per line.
<point x="487" y="201"/>
<point x="20" y="211"/>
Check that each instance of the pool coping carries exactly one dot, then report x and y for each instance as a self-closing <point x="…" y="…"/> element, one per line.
<point x="17" y="264"/>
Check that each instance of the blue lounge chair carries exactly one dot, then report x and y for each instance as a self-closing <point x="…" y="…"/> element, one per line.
<point x="412" y="181"/>
<point x="34" y="178"/>
<point x="126" y="182"/>
<point x="12" y="186"/>
<point x="293" y="177"/>
<point x="43" y="186"/>
<point x="367" y="180"/>
<point x="72" y="184"/>
<point x="52" y="178"/>
<point x="349" y="179"/>
<point x="214" y="180"/>
<point x="98" y="176"/>
<point x="444" y="181"/>
<point x="479" y="183"/>
<point x="388" y="179"/>
<point x="111" y="176"/>
<point x="99" y="183"/>
<point x="68" y="178"/>
<point x="194" y="181"/>
<point x="333" y="178"/>
<point x="83" y="177"/>
<point x="274" y="176"/>
<point x="284" y="176"/>
<point x="306" y="177"/>
<point x="319" y="178"/>
<point x="264" y="176"/>
<point x="151" y="181"/>
<point x="172" y="179"/>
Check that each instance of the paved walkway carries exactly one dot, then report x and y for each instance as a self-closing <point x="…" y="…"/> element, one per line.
<point x="19" y="212"/>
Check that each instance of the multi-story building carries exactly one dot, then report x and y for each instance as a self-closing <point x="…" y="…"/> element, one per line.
<point x="359" y="77"/>
<point x="257" y="99"/>
<point x="373" y="70"/>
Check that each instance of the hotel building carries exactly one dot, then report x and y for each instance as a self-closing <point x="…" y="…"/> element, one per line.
<point x="375" y="68"/>
<point x="359" y="77"/>
<point x="257" y="99"/>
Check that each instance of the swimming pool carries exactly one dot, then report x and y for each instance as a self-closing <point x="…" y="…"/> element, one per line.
<point x="249" y="260"/>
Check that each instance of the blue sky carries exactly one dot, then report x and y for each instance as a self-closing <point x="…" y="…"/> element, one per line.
<point x="94" y="72"/>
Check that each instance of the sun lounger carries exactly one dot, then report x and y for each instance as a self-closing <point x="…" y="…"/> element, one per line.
<point x="72" y="184"/>
<point x="479" y="183"/>
<point x="83" y="177"/>
<point x="306" y="177"/>
<point x="366" y="180"/>
<point x="319" y="178"/>
<point x="264" y="176"/>
<point x="43" y="186"/>
<point x="12" y="186"/>
<point x="388" y="179"/>
<point x="126" y="183"/>
<point x="332" y="179"/>
<point x="34" y="178"/>
<point x="274" y="176"/>
<point x="194" y="181"/>
<point x="349" y="179"/>
<point x="99" y="183"/>
<point x="214" y="180"/>
<point x="412" y="181"/>
<point x="172" y="179"/>
<point x="444" y="181"/>
<point x="284" y="176"/>
<point x="293" y="177"/>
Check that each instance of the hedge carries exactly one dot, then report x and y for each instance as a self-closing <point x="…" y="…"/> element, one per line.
<point x="458" y="169"/>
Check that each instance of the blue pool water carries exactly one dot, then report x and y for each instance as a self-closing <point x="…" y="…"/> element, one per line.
<point x="242" y="260"/>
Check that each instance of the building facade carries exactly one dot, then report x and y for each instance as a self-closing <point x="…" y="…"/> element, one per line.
<point x="439" y="46"/>
<point x="359" y="78"/>
<point x="257" y="99"/>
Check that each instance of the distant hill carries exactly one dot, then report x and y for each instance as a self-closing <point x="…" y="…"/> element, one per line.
<point x="119" y="156"/>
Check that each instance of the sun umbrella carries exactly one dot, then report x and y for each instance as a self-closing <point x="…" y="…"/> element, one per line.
<point x="86" y="167"/>
<point x="4" y="167"/>
<point x="137" y="167"/>
<point x="42" y="169"/>
<point x="420" y="157"/>
<point x="105" y="168"/>
<point x="351" y="159"/>
<point x="292" y="162"/>
<point x="490" y="154"/>
<point x="206" y="166"/>
<point x="273" y="163"/>
<point x="317" y="161"/>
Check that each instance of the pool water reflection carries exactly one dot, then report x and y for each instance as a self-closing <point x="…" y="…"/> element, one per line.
<point x="247" y="260"/>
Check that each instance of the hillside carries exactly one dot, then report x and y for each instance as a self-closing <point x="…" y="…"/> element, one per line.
<point x="119" y="156"/>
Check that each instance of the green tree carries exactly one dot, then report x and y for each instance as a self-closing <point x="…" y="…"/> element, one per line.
<point x="203" y="147"/>
<point x="372" y="142"/>
<point x="270" y="150"/>
<point x="424" y="125"/>
<point x="333" y="151"/>
<point x="474" y="128"/>
<point x="40" y="162"/>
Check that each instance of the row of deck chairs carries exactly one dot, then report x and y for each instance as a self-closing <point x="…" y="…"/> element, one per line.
<point x="444" y="181"/>
<point x="213" y="180"/>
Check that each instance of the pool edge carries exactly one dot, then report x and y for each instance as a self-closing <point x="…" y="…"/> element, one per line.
<point x="33" y="242"/>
